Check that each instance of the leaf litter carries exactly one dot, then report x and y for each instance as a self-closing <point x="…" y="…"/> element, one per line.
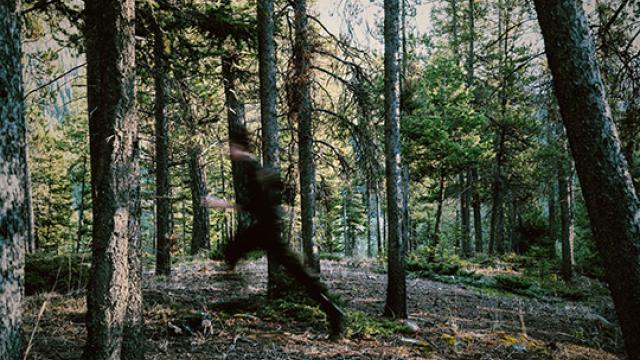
<point x="204" y="311"/>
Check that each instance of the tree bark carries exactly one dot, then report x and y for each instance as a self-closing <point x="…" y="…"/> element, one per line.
<point x="473" y="197"/>
<point x="438" y="219"/>
<point x="406" y="224"/>
<point x="110" y="49"/>
<point x="32" y="243"/>
<point x="81" y="206"/>
<point x="396" y="304"/>
<point x="477" y="213"/>
<point x="608" y="190"/>
<point x="379" y="224"/>
<point x="464" y="216"/>
<point x="301" y="111"/>
<point x="133" y="336"/>
<point x="566" y="215"/>
<point x="235" y="123"/>
<point x="368" y="205"/>
<point x="496" y="238"/>
<point x="163" y="208"/>
<point x="14" y="194"/>
<point x="268" y="111"/>
<point x="201" y="232"/>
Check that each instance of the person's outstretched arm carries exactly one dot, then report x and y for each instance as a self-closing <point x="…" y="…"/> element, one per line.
<point x="216" y="203"/>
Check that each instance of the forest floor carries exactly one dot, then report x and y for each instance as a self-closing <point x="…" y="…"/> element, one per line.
<point x="454" y="321"/>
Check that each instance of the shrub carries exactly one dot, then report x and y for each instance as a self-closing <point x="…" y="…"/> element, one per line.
<point x="45" y="272"/>
<point x="512" y="282"/>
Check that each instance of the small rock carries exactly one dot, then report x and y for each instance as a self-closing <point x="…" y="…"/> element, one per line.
<point x="411" y="326"/>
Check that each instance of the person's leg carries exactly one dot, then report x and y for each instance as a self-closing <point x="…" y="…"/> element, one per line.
<point x="312" y="285"/>
<point x="245" y="241"/>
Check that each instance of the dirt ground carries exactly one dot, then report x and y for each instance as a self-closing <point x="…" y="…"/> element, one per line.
<point x="454" y="322"/>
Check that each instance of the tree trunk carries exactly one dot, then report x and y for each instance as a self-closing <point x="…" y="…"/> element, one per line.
<point x="235" y="123"/>
<point x="301" y="111"/>
<point x="396" y="304"/>
<point x="368" y="204"/>
<point x="379" y="224"/>
<point x="163" y="209"/>
<point x="268" y="112"/>
<point x="473" y="197"/>
<point x="31" y="242"/>
<point x="226" y="231"/>
<point x="438" y="220"/>
<point x="553" y="210"/>
<point x="608" y="190"/>
<point x="81" y="206"/>
<point x="566" y="216"/>
<point x="406" y="225"/>
<point x="477" y="211"/>
<point x="629" y="129"/>
<point x="513" y="210"/>
<point x="464" y="216"/>
<point x="496" y="238"/>
<point x="201" y="231"/>
<point x="110" y="49"/>
<point x="133" y="336"/>
<point x="14" y="194"/>
<point x="346" y="226"/>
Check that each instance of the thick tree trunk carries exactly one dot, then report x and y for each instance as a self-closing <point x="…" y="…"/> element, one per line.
<point x="14" y="194"/>
<point x="268" y="112"/>
<point x="163" y="209"/>
<point x="235" y="123"/>
<point x="608" y="190"/>
<point x="301" y="111"/>
<point x="396" y="304"/>
<point x="110" y="48"/>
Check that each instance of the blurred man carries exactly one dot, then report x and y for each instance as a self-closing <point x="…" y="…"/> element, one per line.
<point x="263" y="204"/>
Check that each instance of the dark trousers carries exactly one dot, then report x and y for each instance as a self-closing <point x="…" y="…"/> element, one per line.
<point x="267" y="237"/>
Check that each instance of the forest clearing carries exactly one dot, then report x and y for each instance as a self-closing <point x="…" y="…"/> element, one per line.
<point x="454" y="321"/>
<point x="319" y="179"/>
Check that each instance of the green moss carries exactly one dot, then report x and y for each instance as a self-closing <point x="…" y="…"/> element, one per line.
<point x="361" y="325"/>
<point x="302" y="311"/>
